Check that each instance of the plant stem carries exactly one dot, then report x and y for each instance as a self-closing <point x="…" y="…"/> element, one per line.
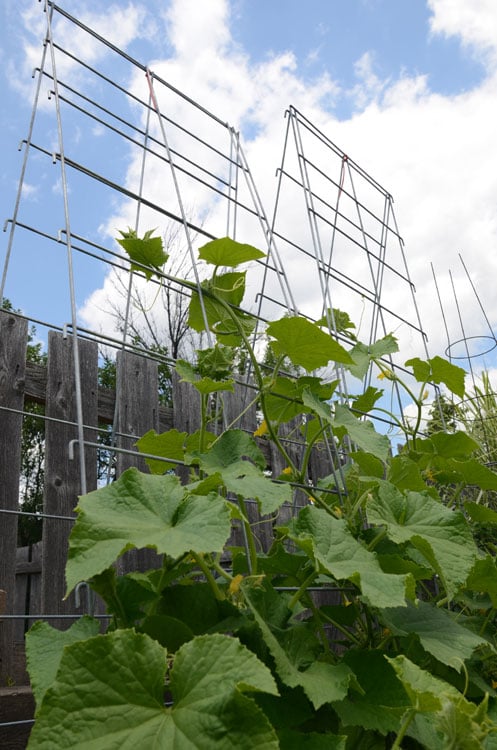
<point x="410" y="714"/>
<point x="249" y="537"/>
<point x="377" y="540"/>
<point x="199" y="559"/>
<point x="341" y="628"/>
<point x="222" y="572"/>
<point x="295" y="598"/>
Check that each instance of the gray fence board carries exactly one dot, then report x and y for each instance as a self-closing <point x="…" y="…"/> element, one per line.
<point x="13" y="340"/>
<point x="62" y="475"/>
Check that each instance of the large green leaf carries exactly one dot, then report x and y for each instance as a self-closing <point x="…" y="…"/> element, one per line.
<point x="362" y="354"/>
<point x="229" y="449"/>
<point x="480" y="513"/>
<point x="445" y="719"/>
<point x="337" y="551"/>
<point x="109" y="693"/>
<point x="306" y="344"/>
<point x="321" y="682"/>
<point x="472" y="472"/>
<point x="424" y="690"/>
<point x="143" y="510"/>
<point x="283" y="400"/>
<point x="383" y="701"/>
<point x="441" y="535"/>
<point x="143" y="251"/>
<point x="245" y="479"/>
<point x="362" y="433"/>
<point x="169" y="444"/>
<point x="454" y="444"/>
<point x="198" y="609"/>
<point x="405" y="474"/>
<point x="228" y="252"/>
<point x="438" y="370"/>
<point x="229" y="288"/>
<point x="365" y="402"/>
<point x="439" y="632"/>
<point x="483" y="578"/>
<point x="340" y="321"/>
<point x="45" y="646"/>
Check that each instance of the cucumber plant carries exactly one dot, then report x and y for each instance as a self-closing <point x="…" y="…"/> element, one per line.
<point x="219" y="651"/>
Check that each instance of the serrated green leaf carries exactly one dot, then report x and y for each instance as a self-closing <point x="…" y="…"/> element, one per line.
<point x="483" y="578"/>
<point x="340" y="320"/>
<point x="229" y="449"/>
<point x="186" y="371"/>
<point x="480" y="513"/>
<point x="362" y="433"/>
<point x="365" y="402"/>
<point x="306" y="344"/>
<point x="229" y="288"/>
<point x="338" y="552"/>
<point x="362" y="354"/>
<point x="228" y="252"/>
<point x="118" y="680"/>
<point x="369" y="465"/>
<point x="322" y="683"/>
<point x="207" y="385"/>
<point x="438" y="370"/>
<point x="142" y="510"/>
<point x="439" y="633"/>
<point x="424" y="690"/>
<point x="144" y="251"/>
<point x="283" y="401"/>
<point x="404" y="473"/>
<point x="126" y="597"/>
<point x="384" y="700"/>
<point x="197" y="607"/>
<point x="168" y="631"/>
<point x="45" y="646"/>
<point x="245" y="479"/>
<point x="454" y="444"/>
<point x="421" y="369"/>
<point x="473" y="472"/>
<point x="440" y="534"/>
<point x="169" y="444"/>
<point x="445" y="718"/>
<point x="215" y="362"/>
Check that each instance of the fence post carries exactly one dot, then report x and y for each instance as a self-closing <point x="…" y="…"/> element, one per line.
<point x="62" y="476"/>
<point x="137" y="403"/>
<point x="13" y="341"/>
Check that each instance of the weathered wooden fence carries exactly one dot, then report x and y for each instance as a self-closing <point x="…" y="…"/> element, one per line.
<point x="33" y="579"/>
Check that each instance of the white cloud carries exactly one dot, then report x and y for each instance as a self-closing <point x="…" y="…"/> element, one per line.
<point x="29" y="191"/>
<point x="119" y="24"/>
<point x="435" y="153"/>
<point x="475" y="23"/>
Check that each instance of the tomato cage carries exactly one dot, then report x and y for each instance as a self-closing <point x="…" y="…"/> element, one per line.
<point x="89" y="341"/>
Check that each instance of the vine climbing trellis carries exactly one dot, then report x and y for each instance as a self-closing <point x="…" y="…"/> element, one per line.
<point x="331" y="237"/>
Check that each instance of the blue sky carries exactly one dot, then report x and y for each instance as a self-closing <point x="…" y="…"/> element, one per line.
<point x="407" y="88"/>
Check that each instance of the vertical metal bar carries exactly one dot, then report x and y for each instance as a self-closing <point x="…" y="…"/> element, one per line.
<point x="179" y="198"/>
<point x="74" y="320"/>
